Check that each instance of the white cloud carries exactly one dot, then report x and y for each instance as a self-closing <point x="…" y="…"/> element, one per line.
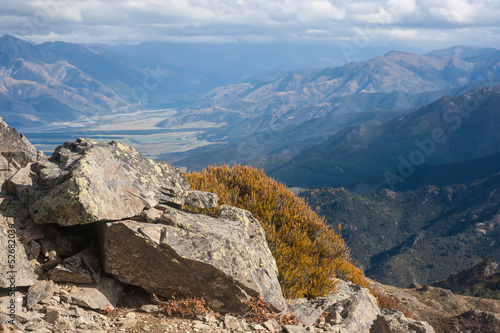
<point x="252" y="20"/>
<point x="454" y="11"/>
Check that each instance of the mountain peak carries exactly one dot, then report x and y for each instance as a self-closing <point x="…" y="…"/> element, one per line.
<point x="463" y="52"/>
<point x="12" y="39"/>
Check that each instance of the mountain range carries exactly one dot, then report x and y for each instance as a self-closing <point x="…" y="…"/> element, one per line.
<point x="267" y="121"/>
<point x="450" y="129"/>
<point x="59" y="81"/>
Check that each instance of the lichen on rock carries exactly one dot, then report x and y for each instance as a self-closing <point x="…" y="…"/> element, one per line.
<point x="96" y="181"/>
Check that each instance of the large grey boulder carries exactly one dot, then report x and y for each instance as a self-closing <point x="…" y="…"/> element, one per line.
<point x="15" y="151"/>
<point x="88" y="181"/>
<point x="227" y="261"/>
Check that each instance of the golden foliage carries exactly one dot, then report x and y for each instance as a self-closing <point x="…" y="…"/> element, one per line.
<point x="308" y="252"/>
<point x="388" y="302"/>
<point x="184" y="306"/>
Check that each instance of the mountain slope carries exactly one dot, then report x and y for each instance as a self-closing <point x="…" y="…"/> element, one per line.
<point x="60" y="82"/>
<point x="451" y="129"/>
<point x="482" y="280"/>
<point x="439" y="175"/>
<point x="393" y="72"/>
<point x="417" y="236"/>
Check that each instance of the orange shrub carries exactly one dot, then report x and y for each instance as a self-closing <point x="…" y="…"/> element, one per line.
<point x="308" y="252"/>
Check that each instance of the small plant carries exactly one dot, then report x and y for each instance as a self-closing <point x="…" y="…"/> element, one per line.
<point x="387" y="302"/>
<point x="107" y="311"/>
<point x="184" y="305"/>
<point x="260" y="311"/>
<point x="425" y="287"/>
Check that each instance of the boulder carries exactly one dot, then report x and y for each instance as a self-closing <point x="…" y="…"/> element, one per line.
<point x="226" y="261"/>
<point x="356" y="306"/>
<point x="89" y="181"/>
<point x="392" y="321"/>
<point x="15" y="151"/>
<point x="15" y="268"/>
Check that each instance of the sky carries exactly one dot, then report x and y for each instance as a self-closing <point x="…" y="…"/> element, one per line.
<point x="424" y="24"/>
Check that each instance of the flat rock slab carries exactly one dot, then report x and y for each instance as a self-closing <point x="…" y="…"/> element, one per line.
<point x="88" y="181"/>
<point x="103" y="296"/>
<point x="225" y="261"/>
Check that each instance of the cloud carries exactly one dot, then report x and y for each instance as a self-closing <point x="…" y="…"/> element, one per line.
<point x="132" y="21"/>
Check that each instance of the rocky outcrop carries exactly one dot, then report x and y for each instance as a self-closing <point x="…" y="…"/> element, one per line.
<point x="146" y="239"/>
<point x="97" y="214"/>
<point x="476" y="321"/>
<point x="96" y="181"/>
<point x="225" y="260"/>
<point x="15" y="151"/>
<point x="483" y="276"/>
<point x="353" y="309"/>
<point x="392" y="321"/>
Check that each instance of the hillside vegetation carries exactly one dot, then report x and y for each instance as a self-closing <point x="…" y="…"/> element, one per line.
<point x="418" y="236"/>
<point x="449" y="130"/>
<point x="308" y="252"/>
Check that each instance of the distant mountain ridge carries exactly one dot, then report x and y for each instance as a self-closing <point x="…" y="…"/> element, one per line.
<point x="60" y="82"/>
<point x="282" y="103"/>
<point x="482" y="280"/>
<point x="421" y="236"/>
<point x="450" y="129"/>
<point x="318" y="89"/>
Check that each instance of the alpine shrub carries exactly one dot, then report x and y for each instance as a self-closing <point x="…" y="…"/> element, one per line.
<point x="309" y="253"/>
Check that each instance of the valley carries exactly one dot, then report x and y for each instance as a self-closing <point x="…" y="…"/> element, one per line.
<point x="138" y="129"/>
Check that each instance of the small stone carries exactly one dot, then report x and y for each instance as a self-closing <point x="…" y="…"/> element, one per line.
<point x="41" y="290"/>
<point x="126" y="324"/>
<point x="52" y="316"/>
<point x="258" y="327"/>
<point x="73" y="289"/>
<point x="146" y="328"/>
<point x="130" y="315"/>
<point x="200" y="326"/>
<point x="272" y="325"/>
<point x="231" y="322"/>
<point x="150" y="308"/>
<point x="210" y="319"/>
